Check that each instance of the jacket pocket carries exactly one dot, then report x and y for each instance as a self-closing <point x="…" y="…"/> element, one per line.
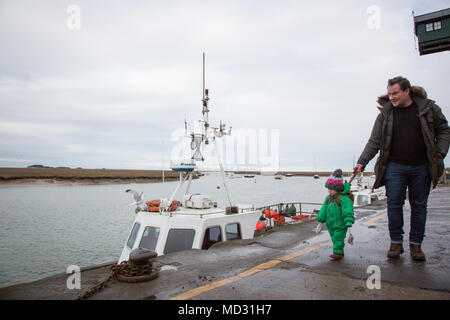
<point x="439" y="161"/>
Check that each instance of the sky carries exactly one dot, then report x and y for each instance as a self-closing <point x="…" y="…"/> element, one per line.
<point x="109" y="84"/>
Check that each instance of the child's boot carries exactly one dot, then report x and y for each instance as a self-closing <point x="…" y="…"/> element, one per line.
<point x="336" y="256"/>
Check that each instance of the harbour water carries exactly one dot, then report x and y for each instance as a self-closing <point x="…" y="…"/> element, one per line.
<point x="46" y="228"/>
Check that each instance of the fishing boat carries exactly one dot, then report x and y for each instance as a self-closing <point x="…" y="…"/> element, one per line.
<point x="316" y="175"/>
<point x="231" y="175"/>
<point x="364" y="194"/>
<point x="168" y="225"/>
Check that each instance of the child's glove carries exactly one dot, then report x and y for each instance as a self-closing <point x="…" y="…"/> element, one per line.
<point x="350" y="237"/>
<point x="319" y="227"/>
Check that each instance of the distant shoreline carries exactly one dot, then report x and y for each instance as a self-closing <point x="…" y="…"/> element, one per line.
<point x="66" y="176"/>
<point x="54" y="176"/>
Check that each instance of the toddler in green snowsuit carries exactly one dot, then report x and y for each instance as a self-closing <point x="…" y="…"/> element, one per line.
<point x="337" y="212"/>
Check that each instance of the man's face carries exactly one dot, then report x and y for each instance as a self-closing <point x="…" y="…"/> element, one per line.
<point x="398" y="97"/>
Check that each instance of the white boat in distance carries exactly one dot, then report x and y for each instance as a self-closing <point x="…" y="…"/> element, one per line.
<point x="363" y="193"/>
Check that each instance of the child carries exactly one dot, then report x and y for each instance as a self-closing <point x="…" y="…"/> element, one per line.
<point x="337" y="212"/>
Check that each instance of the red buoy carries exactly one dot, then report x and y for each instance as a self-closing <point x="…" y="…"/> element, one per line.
<point x="259" y="226"/>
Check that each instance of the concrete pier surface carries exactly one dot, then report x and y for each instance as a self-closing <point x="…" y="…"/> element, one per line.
<point x="290" y="263"/>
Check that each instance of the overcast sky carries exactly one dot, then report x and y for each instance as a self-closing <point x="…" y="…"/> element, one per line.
<point x="105" y="84"/>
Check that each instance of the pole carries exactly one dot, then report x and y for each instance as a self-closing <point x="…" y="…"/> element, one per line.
<point x="221" y="171"/>
<point x="203" y="92"/>
<point x="163" y="161"/>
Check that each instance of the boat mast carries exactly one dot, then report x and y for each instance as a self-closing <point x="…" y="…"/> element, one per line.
<point x="205" y="100"/>
<point x="221" y="132"/>
<point x="196" y="142"/>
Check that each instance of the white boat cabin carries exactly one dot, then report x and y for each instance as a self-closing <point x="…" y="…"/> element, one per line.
<point x="189" y="228"/>
<point x="363" y="195"/>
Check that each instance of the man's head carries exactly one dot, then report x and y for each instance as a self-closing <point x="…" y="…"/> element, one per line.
<point x="398" y="91"/>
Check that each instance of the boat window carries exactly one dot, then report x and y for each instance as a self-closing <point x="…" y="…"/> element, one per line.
<point x="179" y="239"/>
<point x="212" y="235"/>
<point x="149" y="238"/>
<point x="133" y="235"/>
<point x="233" y="231"/>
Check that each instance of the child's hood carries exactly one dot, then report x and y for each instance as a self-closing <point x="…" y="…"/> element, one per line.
<point x="347" y="187"/>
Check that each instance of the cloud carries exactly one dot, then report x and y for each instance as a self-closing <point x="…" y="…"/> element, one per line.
<point x="104" y="94"/>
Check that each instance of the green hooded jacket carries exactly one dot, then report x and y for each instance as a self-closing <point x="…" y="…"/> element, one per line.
<point x="331" y="213"/>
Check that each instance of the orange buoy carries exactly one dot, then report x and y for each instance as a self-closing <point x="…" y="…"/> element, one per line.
<point x="270" y="213"/>
<point x="259" y="226"/>
<point x="279" y="219"/>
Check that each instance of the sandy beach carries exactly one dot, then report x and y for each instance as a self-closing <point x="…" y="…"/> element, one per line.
<point x="44" y="176"/>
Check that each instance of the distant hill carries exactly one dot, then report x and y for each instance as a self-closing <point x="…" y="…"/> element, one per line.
<point x="38" y="166"/>
<point x="42" y="166"/>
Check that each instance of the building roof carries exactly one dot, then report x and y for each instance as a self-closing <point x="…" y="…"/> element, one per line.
<point x="432" y="15"/>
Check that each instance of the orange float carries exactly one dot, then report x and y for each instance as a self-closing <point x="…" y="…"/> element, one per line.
<point x="153" y="205"/>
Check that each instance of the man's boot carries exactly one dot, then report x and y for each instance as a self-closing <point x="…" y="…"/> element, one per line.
<point x="395" y="250"/>
<point x="416" y="252"/>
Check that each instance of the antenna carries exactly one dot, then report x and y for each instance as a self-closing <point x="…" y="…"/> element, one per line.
<point x="205" y="110"/>
<point x="203" y="93"/>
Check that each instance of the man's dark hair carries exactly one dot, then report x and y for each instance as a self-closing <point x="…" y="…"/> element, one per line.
<point x="404" y="83"/>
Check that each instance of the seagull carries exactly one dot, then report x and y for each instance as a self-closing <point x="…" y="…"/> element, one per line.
<point x="137" y="196"/>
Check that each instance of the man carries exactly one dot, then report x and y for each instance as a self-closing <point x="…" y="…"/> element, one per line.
<point x="413" y="137"/>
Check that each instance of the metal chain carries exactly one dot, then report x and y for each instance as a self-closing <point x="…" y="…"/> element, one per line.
<point x="124" y="268"/>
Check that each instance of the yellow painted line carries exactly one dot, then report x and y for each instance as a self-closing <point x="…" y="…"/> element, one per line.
<point x="382" y="215"/>
<point x="263" y="266"/>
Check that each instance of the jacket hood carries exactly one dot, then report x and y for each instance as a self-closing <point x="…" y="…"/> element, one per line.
<point x="415" y="91"/>
<point x="347" y="187"/>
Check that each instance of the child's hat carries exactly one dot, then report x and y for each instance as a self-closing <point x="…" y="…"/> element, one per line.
<point x="335" y="181"/>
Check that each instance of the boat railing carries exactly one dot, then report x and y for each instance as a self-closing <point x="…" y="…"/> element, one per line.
<point x="286" y="209"/>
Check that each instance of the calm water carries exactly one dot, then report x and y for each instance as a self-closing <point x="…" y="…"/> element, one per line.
<point x="44" y="229"/>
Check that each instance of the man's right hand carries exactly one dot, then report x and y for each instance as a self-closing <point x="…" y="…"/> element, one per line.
<point x="358" y="168"/>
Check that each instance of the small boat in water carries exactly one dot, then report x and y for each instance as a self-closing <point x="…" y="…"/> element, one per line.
<point x="233" y="176"/>
<point x="364" y="194"/>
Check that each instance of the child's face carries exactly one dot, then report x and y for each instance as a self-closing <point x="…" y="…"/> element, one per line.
<point x="332" y="192"/>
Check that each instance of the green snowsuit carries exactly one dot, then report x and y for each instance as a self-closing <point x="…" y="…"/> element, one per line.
<point x="337" y="222"/>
